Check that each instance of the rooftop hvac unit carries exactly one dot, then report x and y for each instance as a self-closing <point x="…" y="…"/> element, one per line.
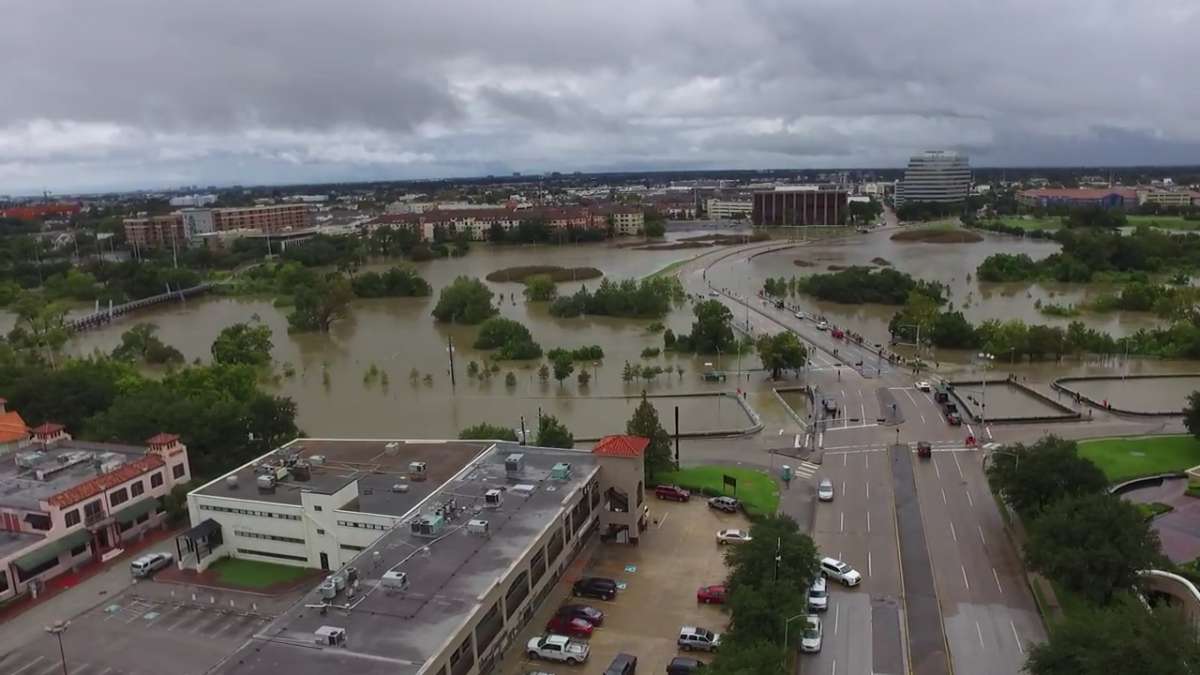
<point x="281" y="472"/>
<point x="417" y="471"/>
<point x="394" y="580"/>
<point x="266" y="483"/>
<point x="391" y="449"/>
<point x="427" y="525"/>
<point x="231" y="481"/>
<point x="477" y="526"/>
<point x="523" y="489"/>
<point x="316" y="460"/>
<point x="327" y="589"/>
<point x="400" y="488"/>
<point x="302" y="471"/>
<point x="560" y="471"/>
<point x="514" y="464"/>
<point x="492" y="499"/>
<point x="330" y="636"/>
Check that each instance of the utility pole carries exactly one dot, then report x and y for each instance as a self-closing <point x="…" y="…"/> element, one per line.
<point x="57" y="629"/>
<point x="450" y="350"/>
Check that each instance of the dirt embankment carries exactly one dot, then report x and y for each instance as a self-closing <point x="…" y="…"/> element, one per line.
<point x="555" y="272"/>
<point x="937" y="236"/>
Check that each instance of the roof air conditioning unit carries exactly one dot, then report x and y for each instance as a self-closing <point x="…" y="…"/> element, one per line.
<point x="514" y="464"/>
<point x="560" y="471"/>
<point x="492" y="499"/>
<point x="417" y="471"/>
<point x="231" y="481"/>
<point x="394" y="580"/>
<point x="477" y="526"/>
<point x="316" y="460"/>
<point x="400" y="488"/>
<point x="266" y="483"/>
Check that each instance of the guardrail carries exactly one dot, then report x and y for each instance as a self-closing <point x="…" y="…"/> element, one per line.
<point x="106" y="316"/>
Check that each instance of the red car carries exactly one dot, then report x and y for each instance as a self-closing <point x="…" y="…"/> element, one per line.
<point x="672" y="492"/>
<point x="711" y="594"/>
<point x="571" y="627"/>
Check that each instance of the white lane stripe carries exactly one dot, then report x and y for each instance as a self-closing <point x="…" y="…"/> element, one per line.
<point x="1015" y="636"/>
<point x="969" y="499"/>
<point x="980" y="632"/>
<point x="29" y="665"/>
<point x="868" y="523"/>
<point x="981" y="538"/>
<point x="936" y="470"/>
<point x="997" y="578"/>
<point x="965" y="581"/>
<point x="960" y="473"/>
<point x="953" y="533"/>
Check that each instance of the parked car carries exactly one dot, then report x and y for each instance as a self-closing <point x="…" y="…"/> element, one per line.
<point x="683" y="665"/>
<point x="839" y="571"/>
<point x="569" y="626"/>
<point x="595" y="587"/>
<point x="818" y="595"/>
<point x="923" y="385"/>
<point x="824" y="325"/>
<point x="825" y="490"/>
<point x="924" y="449"/>
<point x="726" y="504"/>
<point x="838" y="333"/>
<point x="732" y="536"/>
<point x="146" y="565"/>
<point x="672" y="492"/>
<point x="830" y="405"/>
<point x="941" y="396"/>
<point x="711" y="594"/>
<point x="799" y="315"/>
<point x="586" y="612"/>
<point x="953" y="419"/>
<point x="714" y="294"/>
<point x="557" y="648"/>
<point x="622" y="664"/>
<point x="693" y="637"/>
<point x="810" y="639"/>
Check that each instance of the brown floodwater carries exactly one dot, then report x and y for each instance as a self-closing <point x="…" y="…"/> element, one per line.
<point x="1158" y="394"/>
<point x="1003" y="400"/>
<point x="399" y="337"/>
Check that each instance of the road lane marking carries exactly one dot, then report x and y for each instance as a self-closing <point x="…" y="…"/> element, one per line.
<point x="842" y="526"/>
<point x="980" y="632"/>
<point x="868" y="484"/>
<point x="834" y="672"/>
<point x="969" y="499"/>
<point x="796" y="441"/>
<point x="988" y="429"/>
<point x="981" y="538"/>
<point x="663" y="520"/>
<point x="997" y="578"/>
<point x="845" y="456"/>
<point x="80" y="669"/>
<point x="953" y="533"/>
<point x="960" y="473"/>
<point x="867" y="460"/>
<point x="868" y="523"/>
<point x="944" y="495"/>
<point x="1015" y="636"/>
<point x="29" y="665"/>
<point x="843" y="488"/>
<point x="965" y="581"/>
<point x="837" y="612"/>
<point x="862" y="410"/>
<point x="969" y="431"/>
<point x="936" y="470"/>
<point x="870" y="567"/>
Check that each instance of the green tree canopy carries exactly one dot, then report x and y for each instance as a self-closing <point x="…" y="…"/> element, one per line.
<point x="645" y="423"/>
<point x="141" y="343"/>
<point x="553" y="434"/>
<point x="398" y="282"/>
<point x="510" y="337"/>
<point x="488" y="432"/>
<point x="712" y="330"/>
<point x="1124" y="638"/>
<point x="1033" y="477"/>
<point x="465" y="300"/>
<point x="243" y="343"/>
<point x="540" y="288"/>
<point x="319" y="305"/>
<point x="782" y="351"/>
<point x="1191" y="414"/>
<point x="1092" y="544"/>
<point x="563" y="367"/>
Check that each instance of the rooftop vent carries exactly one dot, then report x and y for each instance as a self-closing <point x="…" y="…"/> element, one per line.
<point x="417" y="471"/>
<point x="427" y="525"/>
<point x="231" y="481"/>
<point x="266" y="483"/>
<point x="400" y="488"/>
<point x="560" y="471"/>
<point x="478" y="527"/>
<point x="316" y="460"/>
<point x="492" y="499"/>
<point x="523" y="489"/>
<point x="514" y="464"/>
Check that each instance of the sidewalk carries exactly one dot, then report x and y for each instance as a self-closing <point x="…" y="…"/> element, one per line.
<point x="25" y="619"/>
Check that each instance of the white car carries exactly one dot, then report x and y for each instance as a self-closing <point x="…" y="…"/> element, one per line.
<point x="732" y="537"/>
<point x="810" y="639"/>
<point x="824" y="325"/>
<point x="839" y="571"/>
<point x="148" y="564"/>
<point x="818" y="595"/>
<point x="714" y="294"/>
<point x="726" y="504"/>
<point x="924" y="386"/>
<point x="557" y="648"/>
<point x="825" y="490"/>
<point x="799" y="315"/>
<point x="691" y="637"/>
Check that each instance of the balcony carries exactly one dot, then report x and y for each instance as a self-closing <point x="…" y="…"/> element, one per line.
<point x="97" y="519"/>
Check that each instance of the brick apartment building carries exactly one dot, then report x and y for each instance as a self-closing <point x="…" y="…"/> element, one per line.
<point x="478" y="223"/>
<point x="800" y="206"/>
<point x="156" y="231"/>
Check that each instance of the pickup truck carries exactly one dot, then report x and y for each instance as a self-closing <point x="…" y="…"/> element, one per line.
<point x="557" y="648"/>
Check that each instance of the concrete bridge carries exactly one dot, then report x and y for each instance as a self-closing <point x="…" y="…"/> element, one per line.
<point x="1182" y="593"/>
<point x="101" y="317"/>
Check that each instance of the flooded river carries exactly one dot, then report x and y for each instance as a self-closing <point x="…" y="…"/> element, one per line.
<point x="399" y="338"/>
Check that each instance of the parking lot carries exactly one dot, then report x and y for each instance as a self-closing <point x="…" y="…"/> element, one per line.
<point x="148" y="629"/>
<point x="677" y="554"/>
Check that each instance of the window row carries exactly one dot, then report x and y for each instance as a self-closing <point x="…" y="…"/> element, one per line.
<point x="366" y="526"/>
<point x="249" y="512"/>
<point x="271" y="537"/>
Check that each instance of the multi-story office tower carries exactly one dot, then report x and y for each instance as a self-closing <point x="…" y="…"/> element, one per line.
<point x="935" y="176"/>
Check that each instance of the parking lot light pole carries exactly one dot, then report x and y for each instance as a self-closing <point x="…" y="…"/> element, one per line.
<point x="785" y="627"/>
<point x="57" y="629"/>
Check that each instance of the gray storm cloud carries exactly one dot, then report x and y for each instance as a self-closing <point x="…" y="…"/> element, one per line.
<point x="130" y="93"/>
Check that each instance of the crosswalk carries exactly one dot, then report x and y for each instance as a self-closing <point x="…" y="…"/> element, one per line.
<point x="805" y="469"/>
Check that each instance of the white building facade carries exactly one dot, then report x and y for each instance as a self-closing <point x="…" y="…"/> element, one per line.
<point x="935" y="176"/>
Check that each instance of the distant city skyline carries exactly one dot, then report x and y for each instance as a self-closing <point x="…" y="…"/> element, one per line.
<point x="303" y="92"/>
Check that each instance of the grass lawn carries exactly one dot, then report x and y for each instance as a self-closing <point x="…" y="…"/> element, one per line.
<point x="756" y="489"/>
<point x="1032" y="223"/>
<point x="1165" y="222"/>
<point x="1125" y="458"/>
<point x="254" y="574"/>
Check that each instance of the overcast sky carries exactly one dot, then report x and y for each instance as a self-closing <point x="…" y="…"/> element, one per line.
<point x="125" y="93"/>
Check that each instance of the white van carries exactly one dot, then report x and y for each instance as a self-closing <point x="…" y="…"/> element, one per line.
<point x="148" y="564"/>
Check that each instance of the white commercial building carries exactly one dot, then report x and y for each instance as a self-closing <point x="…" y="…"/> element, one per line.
<point x="935" y="176"/>
<point x="728" y="209"/>
<point x="193" y="200"/>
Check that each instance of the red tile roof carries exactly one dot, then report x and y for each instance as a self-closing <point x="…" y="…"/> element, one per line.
<point x="621" y="446"/>
<point x="47" y="429"/>
<point x="162" y="439"/>
<point x="12" y="427"/>
<point x="97" y="485"/>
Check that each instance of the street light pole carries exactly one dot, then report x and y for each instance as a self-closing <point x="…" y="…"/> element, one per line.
<point x="785" y="627"/>
<point x="57" y="629"/>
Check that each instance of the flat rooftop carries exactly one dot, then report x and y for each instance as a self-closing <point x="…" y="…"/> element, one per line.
<point x="377" y="465"/>
<point x="63" y="465"/>
<point x="396" y="632"/>
<point x="11" y="542"/>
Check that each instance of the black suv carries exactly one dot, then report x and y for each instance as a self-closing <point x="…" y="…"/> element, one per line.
<point x="682" y="665"/>
<point x="623" y="664"/>
<point x="595" y="587"/>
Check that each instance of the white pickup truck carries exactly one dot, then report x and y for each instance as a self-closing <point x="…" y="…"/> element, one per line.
<point x="557" y="648"/>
